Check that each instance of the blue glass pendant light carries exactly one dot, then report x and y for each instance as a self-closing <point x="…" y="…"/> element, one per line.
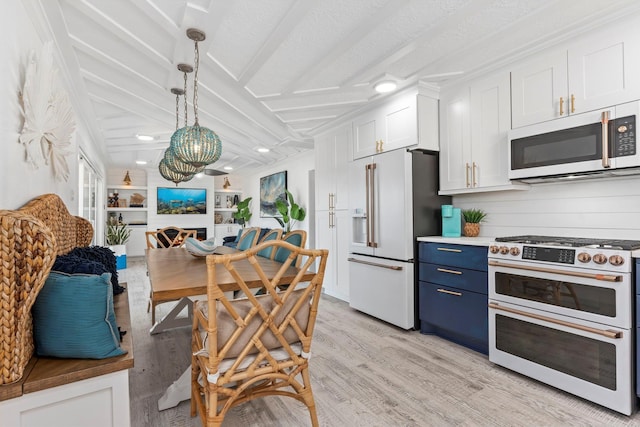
<point x="196" y="145"/>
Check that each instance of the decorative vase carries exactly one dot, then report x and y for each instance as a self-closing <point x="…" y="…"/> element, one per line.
<point x="471" y="229"/>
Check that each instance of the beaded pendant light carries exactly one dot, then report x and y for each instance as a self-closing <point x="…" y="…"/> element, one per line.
<point x="170" y="175"/>
<point x="171" y="160"/>
<point x="196" y="145"/>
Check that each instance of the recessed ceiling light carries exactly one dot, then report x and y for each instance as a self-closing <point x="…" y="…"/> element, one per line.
<point x="262" y="150"/>
<point x="385" y="86"/>
<point x="228" y="168"/>
<point x="145" y="137"/>
<point x="141" y="162"/>
<point x="199" y="175"/>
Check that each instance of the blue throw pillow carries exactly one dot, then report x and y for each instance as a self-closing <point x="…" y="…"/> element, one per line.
<point x="73" y="317"/>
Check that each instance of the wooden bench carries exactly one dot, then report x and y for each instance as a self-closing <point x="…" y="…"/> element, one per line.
<point x="65" y="392"/>
<point x="37" y="391"/>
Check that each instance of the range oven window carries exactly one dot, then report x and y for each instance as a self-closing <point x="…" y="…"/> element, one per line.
<point x="590" y="299"/>
<point x="581" y="357"/>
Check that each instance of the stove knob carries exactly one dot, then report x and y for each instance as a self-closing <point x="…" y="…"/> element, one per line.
<point x="616" y="260"/>
<point x="599" y="258"/>
<point x="494" y="249"/>
<point x="504" y="250"/>
<point x="514" y="251"/>
<point x="584" y="257"/>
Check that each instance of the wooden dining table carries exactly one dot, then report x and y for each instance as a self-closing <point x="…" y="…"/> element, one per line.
<point x="176" y="275"/>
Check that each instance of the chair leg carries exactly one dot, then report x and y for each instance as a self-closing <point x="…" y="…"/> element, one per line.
<point x="307" y="395"/>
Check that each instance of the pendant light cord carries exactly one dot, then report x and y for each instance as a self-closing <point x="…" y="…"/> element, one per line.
<point x="185" y="99"/>
<point x="195" y="83"/>
<point x="177" y="103"/>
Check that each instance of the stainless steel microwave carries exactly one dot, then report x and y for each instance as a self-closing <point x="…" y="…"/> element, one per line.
<point x="588" y="144"/>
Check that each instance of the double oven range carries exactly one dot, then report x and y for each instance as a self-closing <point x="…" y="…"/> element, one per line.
<point x="561" y="311"/>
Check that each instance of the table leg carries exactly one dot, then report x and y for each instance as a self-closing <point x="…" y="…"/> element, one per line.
<point x="171" y="319"/>
<point x="177" y="392"/>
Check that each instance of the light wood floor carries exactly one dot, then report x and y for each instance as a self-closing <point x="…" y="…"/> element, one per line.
<point x="364" y="373"/>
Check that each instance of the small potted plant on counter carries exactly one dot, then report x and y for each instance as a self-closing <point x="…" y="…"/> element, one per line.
<point x="472" y="219"/>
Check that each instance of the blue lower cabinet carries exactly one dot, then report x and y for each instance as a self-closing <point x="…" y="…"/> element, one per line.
<point x="637" y="279"/>
<point x="452" y="293"/>
<point x="455" y="314"/>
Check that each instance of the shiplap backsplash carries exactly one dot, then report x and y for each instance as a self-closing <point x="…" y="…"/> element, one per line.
<point x="600" y="208"/>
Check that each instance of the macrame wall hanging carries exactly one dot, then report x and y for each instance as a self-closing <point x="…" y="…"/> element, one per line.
<point x="49" y="122"/>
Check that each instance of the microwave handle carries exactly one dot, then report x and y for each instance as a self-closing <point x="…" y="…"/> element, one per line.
<point x="605" y="139"/>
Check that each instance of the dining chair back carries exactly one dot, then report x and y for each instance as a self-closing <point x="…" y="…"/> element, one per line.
<point x="257" y="346"/>
<point x="296" y="238"/>
<point x="248" y="239"/>
<point x="168" y="237"/>
<point x="269" y="252"/>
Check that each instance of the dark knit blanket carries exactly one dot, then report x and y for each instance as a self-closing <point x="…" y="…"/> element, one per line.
<point x="106" y="257"/>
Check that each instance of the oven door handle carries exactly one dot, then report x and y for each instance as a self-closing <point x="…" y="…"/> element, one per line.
<point x="603" y="332"/>
<point x="601" y="277"/>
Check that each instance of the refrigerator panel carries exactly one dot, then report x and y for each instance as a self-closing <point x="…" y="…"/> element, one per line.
<point x="383" y="289"/>
<point x="393" y="205"/>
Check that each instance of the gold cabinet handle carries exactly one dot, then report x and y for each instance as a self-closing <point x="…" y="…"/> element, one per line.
<point x="573" y="103"/>
<point x="444" y="270"/>
<point x="444" y="291"/>
<point x="381" y="142"/>
<point x="473" y="174"/>
<point x="466" y="173"/>
<point x="561" y="106"/>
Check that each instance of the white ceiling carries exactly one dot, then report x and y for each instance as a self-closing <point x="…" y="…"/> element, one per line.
<point x="273" y="71"/>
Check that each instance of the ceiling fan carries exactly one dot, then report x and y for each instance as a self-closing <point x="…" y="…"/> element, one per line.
<point x="214" y="172"/>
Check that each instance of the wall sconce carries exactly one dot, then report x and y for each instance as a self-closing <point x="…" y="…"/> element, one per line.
<point x="127" y="179"/>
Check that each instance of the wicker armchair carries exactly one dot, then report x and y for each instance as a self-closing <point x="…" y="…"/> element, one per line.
<point x="257" y="346"/>
<point x="30" y="239"/>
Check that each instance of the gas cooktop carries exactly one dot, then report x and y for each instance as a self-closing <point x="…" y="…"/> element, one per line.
<point x="576" y="242"/>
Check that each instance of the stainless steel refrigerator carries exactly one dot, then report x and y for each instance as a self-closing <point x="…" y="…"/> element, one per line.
<point x="393" y="198"/>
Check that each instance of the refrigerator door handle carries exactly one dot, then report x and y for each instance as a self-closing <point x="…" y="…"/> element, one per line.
<point x="371" y="202"/>
<point x="375" y="264"/>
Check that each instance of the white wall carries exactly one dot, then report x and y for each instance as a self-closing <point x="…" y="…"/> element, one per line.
<point x="600" y="208"/>
<point x="297" y="168"/>
<point x="20" y="182"/>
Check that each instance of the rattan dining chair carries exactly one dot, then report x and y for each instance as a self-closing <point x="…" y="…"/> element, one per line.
<point x="257" y="346"/>
<point x="269" y="252"/>
<point x="168" y="237"/>
<point x="295" y="237"/>
<point x="175" y="237"/>
<point x="248" y="239"/>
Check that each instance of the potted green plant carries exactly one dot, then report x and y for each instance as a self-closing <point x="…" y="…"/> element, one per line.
<point x="290" y="212"/>
<point x="116" y="236"/>
<point x="243" y="213"/>
<point x="472" y="219"/>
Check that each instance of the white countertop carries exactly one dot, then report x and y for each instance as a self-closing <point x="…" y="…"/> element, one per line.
<point x="473" y="241"/>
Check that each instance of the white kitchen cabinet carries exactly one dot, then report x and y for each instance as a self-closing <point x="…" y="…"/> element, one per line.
<point x="331" y="178"/>
<point x="331" y="158"/>
<point x="137" y="242"/>
<point x="597" y="71"/>
<point x="332" y="233"/>
<point x="223" y="230"/>
<point x="405" y="120"/>
<point x="474" y="126"/>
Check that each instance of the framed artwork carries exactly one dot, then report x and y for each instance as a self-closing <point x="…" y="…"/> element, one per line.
<point x="271" y="189"/>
